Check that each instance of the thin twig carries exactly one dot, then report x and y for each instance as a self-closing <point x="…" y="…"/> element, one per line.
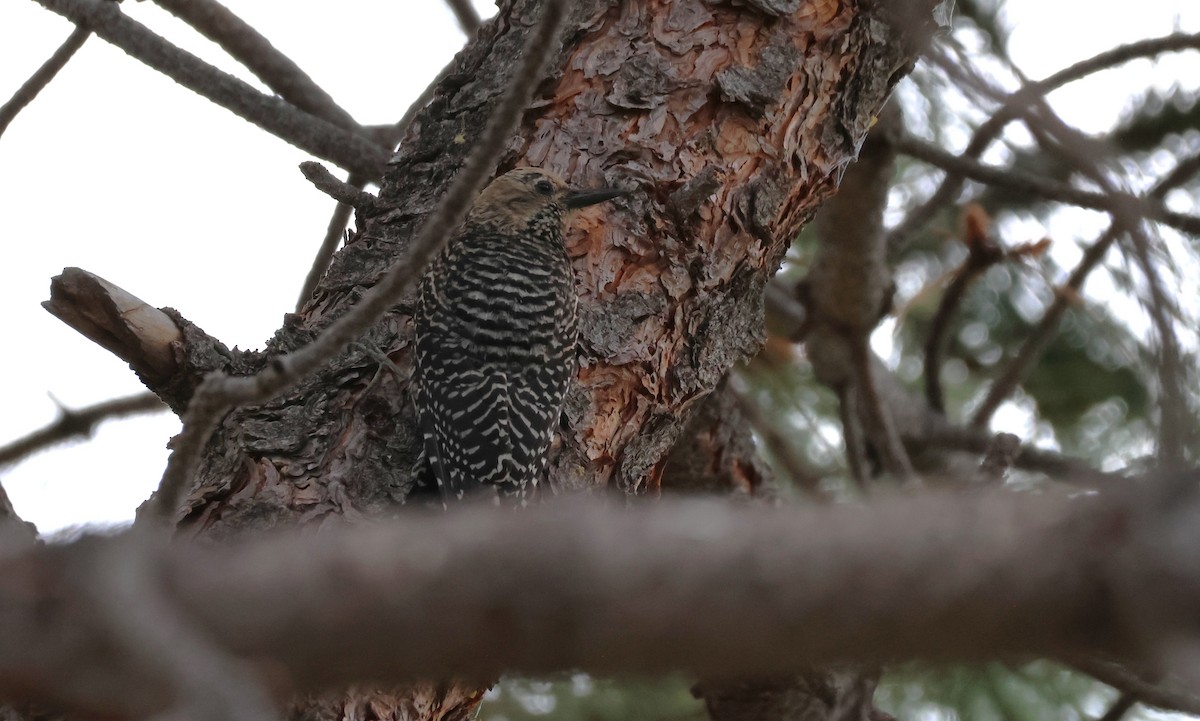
<point x="250" y="48"/>
<point x="1060" y="467"/>
<point x="1013" y="106"/>
<point x="79" y="424"/>
<point x="1048" y="189"/>
<point x="1073" y="148"/>
<point x="895" y="458"/>
<point x="983" y="253"/>
<point x="354" y="151"/>
<point x="350" y="197"/>
<point x="42" y="77"/>
<point x="852" y="435"/>
<point x="334" y="233"/>
<point x="347" y="191"/>
<point x="1079" y="152"/>
<point x="1040" y="337"/>
<point x="219" y="393"/>
<point x="1173" y="420"/>
<point x="468" y="19"/>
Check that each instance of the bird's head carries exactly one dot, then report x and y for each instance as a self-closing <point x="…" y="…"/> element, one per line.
<point x="520" y="196"/>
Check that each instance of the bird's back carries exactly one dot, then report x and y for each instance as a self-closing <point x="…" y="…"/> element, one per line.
<point x="495" y="352"/>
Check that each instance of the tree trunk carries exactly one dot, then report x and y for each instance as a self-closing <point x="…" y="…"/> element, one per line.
<point x="733" y="119"/>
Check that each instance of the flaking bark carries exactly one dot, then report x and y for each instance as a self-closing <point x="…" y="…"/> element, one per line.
<point x="760" y="111"/>
<point x="733" y="120"/>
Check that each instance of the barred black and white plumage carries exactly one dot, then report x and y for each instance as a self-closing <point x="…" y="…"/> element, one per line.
<point x="495" y="337"/>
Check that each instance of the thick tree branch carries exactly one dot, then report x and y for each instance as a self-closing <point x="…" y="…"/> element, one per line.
<point x="219" y="392"/>
<point x="42" y="77"/>
<point x="767" y="590"/>
<point x="352" y="151"/>
<point x="78" y="423"/>
<point x="169" y="354"/>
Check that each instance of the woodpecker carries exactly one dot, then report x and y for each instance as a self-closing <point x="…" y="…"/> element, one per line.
<point x="495" y="337"/>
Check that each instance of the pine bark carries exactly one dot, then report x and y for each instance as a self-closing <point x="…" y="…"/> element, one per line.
<point x="734" y="120"/>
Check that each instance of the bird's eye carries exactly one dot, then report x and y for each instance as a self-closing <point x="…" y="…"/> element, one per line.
<point x="545" y="187"/>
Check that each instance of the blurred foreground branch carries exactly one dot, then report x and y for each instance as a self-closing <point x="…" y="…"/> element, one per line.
<point x="977" y="576"/>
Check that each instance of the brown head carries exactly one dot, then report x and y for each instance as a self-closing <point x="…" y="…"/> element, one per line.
<point x="516" y="198"/>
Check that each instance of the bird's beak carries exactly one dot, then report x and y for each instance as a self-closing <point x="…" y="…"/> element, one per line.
<point x="583" y="198"/>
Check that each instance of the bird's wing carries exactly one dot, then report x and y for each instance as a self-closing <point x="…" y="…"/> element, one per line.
<point x="466" y="417"/>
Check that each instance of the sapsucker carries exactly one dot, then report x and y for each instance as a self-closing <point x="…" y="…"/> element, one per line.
<point x="495" y="337"/>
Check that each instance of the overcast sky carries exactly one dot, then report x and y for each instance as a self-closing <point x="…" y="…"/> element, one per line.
<point x="119" y="171"/>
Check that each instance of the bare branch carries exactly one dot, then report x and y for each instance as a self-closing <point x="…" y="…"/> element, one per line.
<point x="125" y="325"/>
<point x="983" y="253"/>
<point x="464" y="12"/>
<point x="350" y="197"/>
<point x="78" y="424"/>
<point x="347" y="192"/>
<point x="1048" y="189"/>
<point x="353" y="151"/>
<point x="852" y="434"/>
<point x="1081" y="152"/>
<point x="1040" y="337"/>
<point x="1015" y="105"/>
<point x="276" y="70"/>
<point x="219" y="393"/>
<point x="329" y="245"/>
<point x="42" y="77"/>
<point x="1060" y="467"/>
<point x="852" y="583"/>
